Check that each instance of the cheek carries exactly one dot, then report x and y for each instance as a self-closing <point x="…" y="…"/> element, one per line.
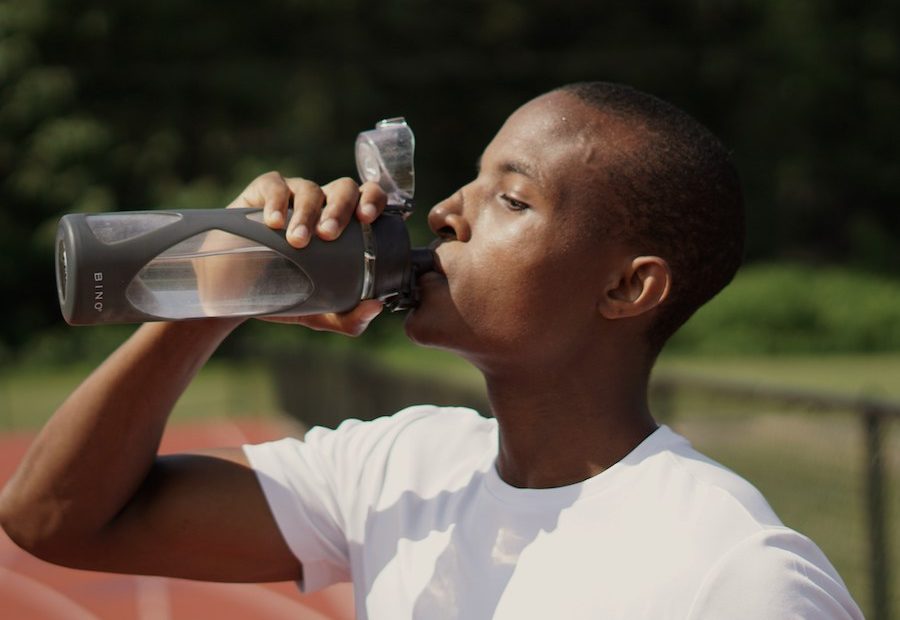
<point x="518" y="288"/>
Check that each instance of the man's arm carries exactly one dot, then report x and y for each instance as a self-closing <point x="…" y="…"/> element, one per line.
<point x="92" y="493"/>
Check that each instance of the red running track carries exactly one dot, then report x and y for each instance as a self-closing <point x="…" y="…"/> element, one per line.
<point x="34" y="590"/>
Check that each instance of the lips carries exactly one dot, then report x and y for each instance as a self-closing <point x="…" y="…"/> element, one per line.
<point x="438" y="267"/>
<point x="436" y="275"/>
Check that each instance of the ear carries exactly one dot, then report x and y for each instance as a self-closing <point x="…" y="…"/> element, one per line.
<point x="641" y="285"/>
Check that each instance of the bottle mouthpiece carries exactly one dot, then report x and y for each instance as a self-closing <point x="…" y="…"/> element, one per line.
<point x="422" y="260"/>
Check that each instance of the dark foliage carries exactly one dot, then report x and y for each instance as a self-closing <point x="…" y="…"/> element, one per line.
<point x="128" y="105"/>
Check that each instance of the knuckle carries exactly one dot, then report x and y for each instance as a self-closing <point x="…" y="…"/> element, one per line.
<point x="372" y="188"/>
<point x="343" y="191"/>
<point x="272" y="178"/>
<point x="308" y="195"/>
<point x="310" y="187"/>
<point x="299" y="184"/>
<point x="274" y="185"/>
<point x="343" y="185"/>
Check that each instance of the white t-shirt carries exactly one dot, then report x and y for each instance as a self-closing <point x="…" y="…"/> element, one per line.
<point x="410" y="508"/>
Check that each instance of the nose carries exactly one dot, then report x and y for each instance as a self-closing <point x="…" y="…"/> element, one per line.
<point x="447" y="221"/>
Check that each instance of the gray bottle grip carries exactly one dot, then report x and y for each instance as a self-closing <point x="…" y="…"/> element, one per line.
<point x="92" y="276"/>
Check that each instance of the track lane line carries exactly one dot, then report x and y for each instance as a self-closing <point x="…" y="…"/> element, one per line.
<point x="48" y="599"/>
<point x="271" y="604"/>
<point x="152" y="598"/>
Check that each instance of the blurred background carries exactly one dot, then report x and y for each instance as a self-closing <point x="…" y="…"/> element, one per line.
<point x="788" y="376"/>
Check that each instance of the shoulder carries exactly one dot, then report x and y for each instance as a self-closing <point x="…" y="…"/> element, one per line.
<point x="775" y="573"/>
<point x="418" y="428"/>
<point x="429" y="449"/>
<point x="747" y="563"/>
<point x="689" y="481"/>
<point x="416" y="422"/>
<point x="422" y="442"/>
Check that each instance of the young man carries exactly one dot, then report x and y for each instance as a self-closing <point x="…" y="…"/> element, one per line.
<point x="600" y="219"/>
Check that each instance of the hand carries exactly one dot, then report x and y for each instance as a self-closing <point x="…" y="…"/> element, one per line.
<point x="301" y="207"/>
<point x="326" y="210"/>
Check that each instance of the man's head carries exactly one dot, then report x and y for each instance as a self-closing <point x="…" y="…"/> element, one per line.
<point x="594" y="203"/>
<point x="678" y="197"/>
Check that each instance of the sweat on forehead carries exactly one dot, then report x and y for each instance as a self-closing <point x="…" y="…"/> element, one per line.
<point x="585" y="135"/>
<point x="566" y="143"/>
<point x="568" y="115"/>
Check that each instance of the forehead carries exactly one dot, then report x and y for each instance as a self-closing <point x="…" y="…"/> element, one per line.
<point x="566" y="143"/>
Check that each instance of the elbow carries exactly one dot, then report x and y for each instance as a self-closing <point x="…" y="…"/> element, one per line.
<point x="22" y="526"/>
<point x="17" y="524"/>
<point x="37" y="531"/>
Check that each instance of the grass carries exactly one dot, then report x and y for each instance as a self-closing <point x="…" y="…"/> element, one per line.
<point x="876" y="375"/>
<point x="28" y="396"/>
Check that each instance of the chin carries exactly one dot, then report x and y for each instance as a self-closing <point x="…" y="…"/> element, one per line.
<point x="419" y="329"/>
<point x="425" y="323"/>
<point x="428" y="328"/>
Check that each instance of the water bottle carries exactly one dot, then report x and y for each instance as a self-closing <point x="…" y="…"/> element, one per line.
<point x="132" y="267"/>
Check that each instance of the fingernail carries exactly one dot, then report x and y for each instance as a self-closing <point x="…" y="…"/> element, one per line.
<point x="329" y="227"/>
<point x="300" y="232"/>
<point x="368" y="209"/>
<point x="275" y="218"/>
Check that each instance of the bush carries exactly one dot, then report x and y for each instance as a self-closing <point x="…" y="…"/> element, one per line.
<point x="768" y="309"/>
<point x="797" y="309"/>
<point x="62" y="345"/>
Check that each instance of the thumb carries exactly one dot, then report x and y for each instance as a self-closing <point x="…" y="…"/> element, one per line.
<point x="351" y="323"/>
<point x="365" y="313"/>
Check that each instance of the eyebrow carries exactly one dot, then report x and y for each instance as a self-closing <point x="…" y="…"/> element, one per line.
<point x="514" y="167"/>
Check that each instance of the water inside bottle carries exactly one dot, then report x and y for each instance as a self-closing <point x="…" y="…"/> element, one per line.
<point x="116" y="227"/>
<point x="217" y="274"/>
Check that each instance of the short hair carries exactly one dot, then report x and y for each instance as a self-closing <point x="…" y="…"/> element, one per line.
<point x="679" y="197"/>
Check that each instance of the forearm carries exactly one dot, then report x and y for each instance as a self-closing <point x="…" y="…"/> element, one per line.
<point x="96" y="450"/>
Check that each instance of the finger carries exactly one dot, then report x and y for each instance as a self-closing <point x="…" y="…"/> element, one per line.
<point x="342" y="198"/>
<point x="352" y="323"/>
<point x="276" y="197"/>
<point x="372" y="202"/>
<point x="308" y="201"/>
<point x="270" y="192"/>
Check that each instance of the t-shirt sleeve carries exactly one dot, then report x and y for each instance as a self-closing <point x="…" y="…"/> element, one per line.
<point x="310" y="487"/>
<point x="778" y="575"/>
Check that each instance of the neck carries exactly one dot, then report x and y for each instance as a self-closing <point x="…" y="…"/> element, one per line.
<point x="562" y="427"/>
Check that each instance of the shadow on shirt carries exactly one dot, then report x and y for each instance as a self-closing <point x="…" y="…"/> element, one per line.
<point x="455" y="552"/>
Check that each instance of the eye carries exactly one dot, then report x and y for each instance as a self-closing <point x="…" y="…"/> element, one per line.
<point x="513" y="204"/>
